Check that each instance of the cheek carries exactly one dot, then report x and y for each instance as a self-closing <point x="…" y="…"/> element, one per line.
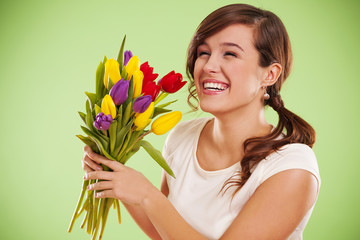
<point x="197" y="72"/>
<point x="197" y="69"/>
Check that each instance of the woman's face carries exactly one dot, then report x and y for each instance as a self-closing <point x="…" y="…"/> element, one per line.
<point x="227" y="74"/>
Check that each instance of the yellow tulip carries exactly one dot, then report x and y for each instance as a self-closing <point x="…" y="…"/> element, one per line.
<point x="166" y="122"/>
<point x="108" y="106"/>
<point x="143" y="119"/>
<point x="112" y="71"/>
<point x="132" y="66"/>
<point x="138" y="77"/>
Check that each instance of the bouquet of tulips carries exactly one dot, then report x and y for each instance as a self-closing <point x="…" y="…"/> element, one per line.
<point x="117" y="115"/>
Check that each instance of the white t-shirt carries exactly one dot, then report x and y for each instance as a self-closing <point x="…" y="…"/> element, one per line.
<point x="195" y="191"/>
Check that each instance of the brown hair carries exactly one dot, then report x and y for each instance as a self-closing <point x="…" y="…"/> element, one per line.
<point x="272" y="42"/>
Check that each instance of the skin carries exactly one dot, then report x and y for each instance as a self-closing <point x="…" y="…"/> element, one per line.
<point x="276" y="207"/>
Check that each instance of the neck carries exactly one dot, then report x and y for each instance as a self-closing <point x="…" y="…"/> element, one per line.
<point x="230" y="130"/>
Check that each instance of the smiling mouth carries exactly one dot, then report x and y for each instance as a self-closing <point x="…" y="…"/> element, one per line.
<point x="215" y="86"/>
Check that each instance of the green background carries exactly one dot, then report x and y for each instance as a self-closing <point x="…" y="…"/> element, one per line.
<point x="49" y="52"/>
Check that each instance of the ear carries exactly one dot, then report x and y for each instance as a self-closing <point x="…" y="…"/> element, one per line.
<point x="272" y="74"/>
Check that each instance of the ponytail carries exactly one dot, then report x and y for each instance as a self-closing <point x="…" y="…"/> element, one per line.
<point x="297" y="129"/>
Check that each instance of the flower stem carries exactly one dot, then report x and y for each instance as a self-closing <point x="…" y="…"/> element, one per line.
<point x="101" y="210"/>
<point x="161" y="97"/>
<point x="84" y="220"/>
<point x="75" y="215"/>
<point x="105" y="215"/>
<point x="139" y="138"/>
<point x="118" y="210"/>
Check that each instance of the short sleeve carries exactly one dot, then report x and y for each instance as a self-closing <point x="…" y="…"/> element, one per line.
<point x="291" y="156"/>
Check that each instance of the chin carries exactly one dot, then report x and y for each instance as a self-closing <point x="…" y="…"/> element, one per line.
<point x="213" y="109"/>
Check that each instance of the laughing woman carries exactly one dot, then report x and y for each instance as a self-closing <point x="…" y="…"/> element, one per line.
<point x="237" y="176"/>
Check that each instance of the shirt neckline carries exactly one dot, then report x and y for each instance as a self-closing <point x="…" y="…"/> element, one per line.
<point x="229" y="169"/>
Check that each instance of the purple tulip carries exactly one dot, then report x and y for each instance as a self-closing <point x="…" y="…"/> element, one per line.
<point x="119" y="92"/>
<point x="102" y="121"/>
<point x="142" y="103"/>
<point x="127" y="55"/>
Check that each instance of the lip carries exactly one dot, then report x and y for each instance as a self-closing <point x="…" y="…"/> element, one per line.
<point x="212" y="92"/>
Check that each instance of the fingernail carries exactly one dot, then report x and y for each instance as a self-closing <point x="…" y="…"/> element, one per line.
<point x="85" y="176"/>
<point x="89" y="187"/>
<point x="99" y="168"/>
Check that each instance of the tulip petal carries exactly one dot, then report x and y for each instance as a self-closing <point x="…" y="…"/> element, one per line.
<point x="119" y="92"/>
<point x="142" y="103"/>
<point x="142" y="119"/>
<point x="108" y="106"/>
<point x="138" y="77"/>
<point x="166" y="122"/>
<point x="132" y="66"/>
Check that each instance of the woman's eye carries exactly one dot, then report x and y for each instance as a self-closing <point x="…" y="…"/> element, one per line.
<point x="203" y="53"/>
<point x="230" y="54"/>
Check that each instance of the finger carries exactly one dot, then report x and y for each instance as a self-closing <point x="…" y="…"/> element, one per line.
<point x="102" y="185"/>
<point x="86" y="168"/>
<point x="103" y="175"/>
<point x="114" y="165"/>
<point x="105" y="194"/>
<point x="91" y="164"/>
<point x="87" y="149"/>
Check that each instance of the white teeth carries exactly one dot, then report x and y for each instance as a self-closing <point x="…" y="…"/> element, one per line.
<point x="215" y="86"/>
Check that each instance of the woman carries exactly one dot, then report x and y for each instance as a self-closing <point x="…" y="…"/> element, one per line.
<point x="237" y="176"/>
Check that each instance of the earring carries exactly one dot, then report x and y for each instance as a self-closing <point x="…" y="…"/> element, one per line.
<point x="266" y="95"/>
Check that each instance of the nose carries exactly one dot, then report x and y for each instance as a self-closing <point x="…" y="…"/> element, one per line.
<point x="212" y="65"/>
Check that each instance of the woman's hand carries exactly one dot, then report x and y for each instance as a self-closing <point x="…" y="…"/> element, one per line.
<point x="87" y="163"/>
<point x="123" y="183"/>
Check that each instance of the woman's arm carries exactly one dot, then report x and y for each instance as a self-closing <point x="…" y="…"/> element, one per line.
<point x="136" y="212"/>
<point x="142" y="219"/>
<point x="277" y="207"/>
<point x="273" y="212"/>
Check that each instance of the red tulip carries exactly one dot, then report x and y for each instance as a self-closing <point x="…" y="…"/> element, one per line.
<point x="151" y="88"/>
<point x="149" y="76"/>
<point x="172" y="82"/>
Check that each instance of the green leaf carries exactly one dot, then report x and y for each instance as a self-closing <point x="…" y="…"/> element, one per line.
<point x="133" y="138"/>
<point x="119" y="119"/>
<point x="122" y="133"/>
<point x="130" y="97"/>
<point x="89" y="117"/>
<point x="166" y="104"/>
<point x="158" y="111"/>
<point x="100" y="80"/>
<point x="93" y="98"/>
<point x="105" y="90"/>
<point x="83" y="116"/>
<point x="105" y="144"/>
<point x="124" y="73"/>
<point x="124" y="146"/>
<point x="112" y="135"/>
<point x="88" y="141"/>
<point x="126" y="115"/>
<point x="157" y="156"/>
<point x="120" y="137"/>
<point x="121" y="53"/>
<point x="102" y="146"/>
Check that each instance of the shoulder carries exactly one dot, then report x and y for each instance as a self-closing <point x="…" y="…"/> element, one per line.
<point x="290" y="156"/>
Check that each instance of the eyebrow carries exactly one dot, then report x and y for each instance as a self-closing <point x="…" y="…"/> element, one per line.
<point x="231" y="44"/>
